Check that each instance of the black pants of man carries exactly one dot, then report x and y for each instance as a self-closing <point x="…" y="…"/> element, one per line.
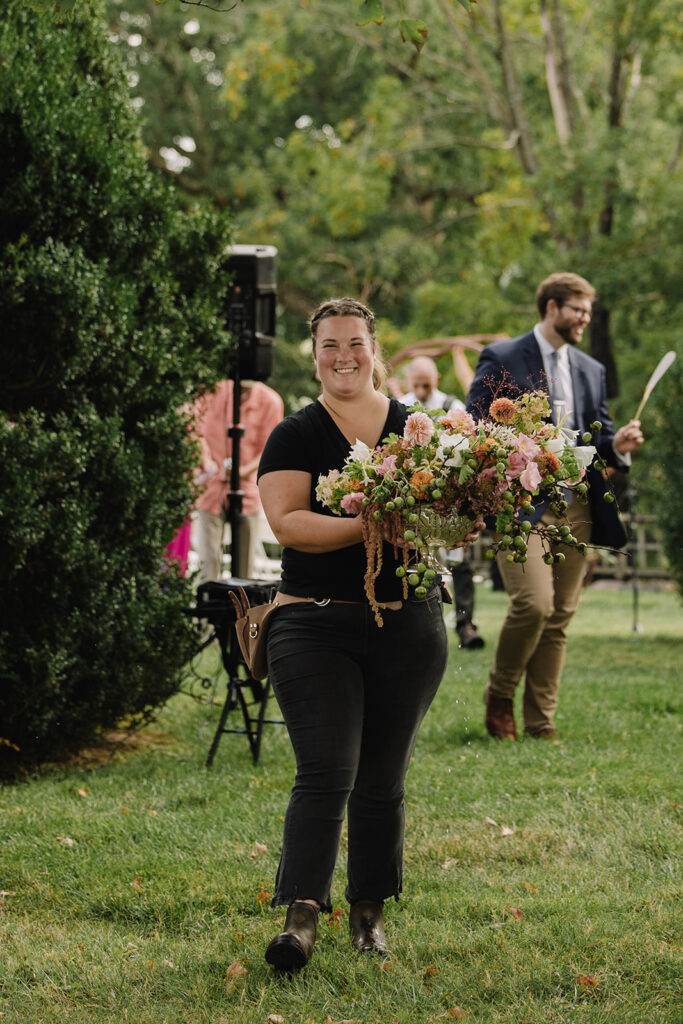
<point x="463" y="599"/>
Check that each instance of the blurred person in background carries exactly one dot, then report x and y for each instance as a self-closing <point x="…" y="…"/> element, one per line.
<point x="423" y="380"/>
<point x="261" y="409"/>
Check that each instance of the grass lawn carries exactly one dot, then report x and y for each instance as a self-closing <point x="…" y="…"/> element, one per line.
<point x="542" y="879"/>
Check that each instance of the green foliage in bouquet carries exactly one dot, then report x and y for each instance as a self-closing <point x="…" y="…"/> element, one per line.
<point x="445" y="474"/>
<point x="110" y="298"/>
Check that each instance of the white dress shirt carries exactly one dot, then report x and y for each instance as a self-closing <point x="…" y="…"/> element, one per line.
<point x="562" y="375"/>
<point x="434" y="401"/>
<point x="565" y="375"/>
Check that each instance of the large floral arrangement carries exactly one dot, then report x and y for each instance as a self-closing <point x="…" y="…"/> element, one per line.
<point x="431" y="487"/>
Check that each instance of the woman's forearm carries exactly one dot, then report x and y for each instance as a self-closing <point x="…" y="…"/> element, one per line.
<point x="315" y="534"/>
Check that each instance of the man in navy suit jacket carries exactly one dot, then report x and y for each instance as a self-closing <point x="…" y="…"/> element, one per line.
<point x="543" y="598"/>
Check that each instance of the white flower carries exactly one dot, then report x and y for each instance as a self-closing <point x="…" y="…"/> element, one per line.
<point x="584" y="455"/>
<point x="359" y="452"/>
<point x="324" y="491"/>
<point x="556" y="444"/>
<point x="459" y="444"/>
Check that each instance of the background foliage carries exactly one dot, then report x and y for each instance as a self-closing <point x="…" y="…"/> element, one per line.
<point x="111" y="297"/>
<point x="440" y="186"/>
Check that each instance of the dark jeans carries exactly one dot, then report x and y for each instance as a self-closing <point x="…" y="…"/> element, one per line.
<point x="353" y="696"/>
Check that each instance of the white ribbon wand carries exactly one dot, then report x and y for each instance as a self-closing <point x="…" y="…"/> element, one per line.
<point x="659" y="371"/>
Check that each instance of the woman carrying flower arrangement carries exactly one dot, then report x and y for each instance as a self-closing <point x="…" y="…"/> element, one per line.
<point x="353" y="681"/>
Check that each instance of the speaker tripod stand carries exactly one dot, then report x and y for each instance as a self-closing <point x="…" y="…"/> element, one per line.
<point x="244" y="694"/>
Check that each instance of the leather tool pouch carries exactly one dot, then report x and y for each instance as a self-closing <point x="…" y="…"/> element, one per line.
<point x="251" y="627"/>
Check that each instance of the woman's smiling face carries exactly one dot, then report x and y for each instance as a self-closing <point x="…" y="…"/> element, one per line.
<point x="344" y="355"/>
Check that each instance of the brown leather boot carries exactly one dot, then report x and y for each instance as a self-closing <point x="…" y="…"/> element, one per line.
<point x="366" y="924"/>
<point x="292" y="949"/>
<point x="500" y="720"/>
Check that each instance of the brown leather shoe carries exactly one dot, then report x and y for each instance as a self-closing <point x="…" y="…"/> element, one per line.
<point x="292" y="949"/>
<point x="366" y="924"/>
<point x="500" y="720"/>
<point x="470" y="638"/>
<point x="543" y="734"/>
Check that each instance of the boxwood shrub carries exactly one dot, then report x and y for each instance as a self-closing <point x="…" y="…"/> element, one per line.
<point x="111" y="296"/>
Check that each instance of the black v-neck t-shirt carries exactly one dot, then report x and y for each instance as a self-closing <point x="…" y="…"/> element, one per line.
<point x="311" y="442"/>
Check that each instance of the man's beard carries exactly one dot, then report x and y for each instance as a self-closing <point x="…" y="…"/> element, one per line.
<point x="565" y="332"/>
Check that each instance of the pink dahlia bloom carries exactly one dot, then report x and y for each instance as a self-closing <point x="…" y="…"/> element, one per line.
<point x="419" y="428"/>
<point x="459" y="420"/>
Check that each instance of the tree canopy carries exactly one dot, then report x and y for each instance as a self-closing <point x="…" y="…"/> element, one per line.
<point x="442" y="185"/>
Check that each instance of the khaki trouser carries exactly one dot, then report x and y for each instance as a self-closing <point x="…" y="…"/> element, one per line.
<point x="209" y="536"/>
<point x="533" y="637"/>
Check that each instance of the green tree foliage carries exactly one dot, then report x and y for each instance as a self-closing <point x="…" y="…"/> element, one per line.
<point x="442" y="185"/>
<point x="663" y="418"/>
<point x="110" y="296"/>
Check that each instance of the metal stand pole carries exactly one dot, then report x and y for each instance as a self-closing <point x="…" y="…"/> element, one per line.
<point x="235" y="494"/>
<point x="633" y="494"/>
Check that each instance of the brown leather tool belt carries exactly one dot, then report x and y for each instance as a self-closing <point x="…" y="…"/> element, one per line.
<point x="322" y="602"/>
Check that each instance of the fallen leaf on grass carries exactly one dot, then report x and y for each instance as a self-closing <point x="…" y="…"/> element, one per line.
<point x="136" y="883"/>
<point x="328" y="1020"/>
<point x="6" y="892"/>
<point x="490" y="821"/>
<point x="233" y="974"/>
<point x="530" y="887"/>
<point x="516" y="912"/>
<point x="455" y="1012"/>
<point x="335" y="918"/>
<point x="586" y="980"/>
<point x="275" y="1018"/>
<point x="263" y="896"/>
<point x="430" y="972"/>
<point x="451" y="863"/>
<point x="84" y="791"/>
<point x="505" y="831"/>
<point x="257" y="850"/>
<point x="65" y="840"/>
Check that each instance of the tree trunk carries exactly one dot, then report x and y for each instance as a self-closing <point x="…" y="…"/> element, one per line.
<point x="556" y="73"/>
<point x="601" y="340"/>
<point x="513" y="93"/>
<point x="601" y="346"/>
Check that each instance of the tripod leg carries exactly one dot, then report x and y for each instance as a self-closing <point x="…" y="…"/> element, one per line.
<point x="248" y="722"/>
<point x="229" y="701"/>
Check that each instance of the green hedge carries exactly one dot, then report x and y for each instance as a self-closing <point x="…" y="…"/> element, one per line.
<point x="111" y="300"/>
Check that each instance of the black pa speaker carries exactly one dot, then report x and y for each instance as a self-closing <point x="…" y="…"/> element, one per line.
<point x="250" y="313"/>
